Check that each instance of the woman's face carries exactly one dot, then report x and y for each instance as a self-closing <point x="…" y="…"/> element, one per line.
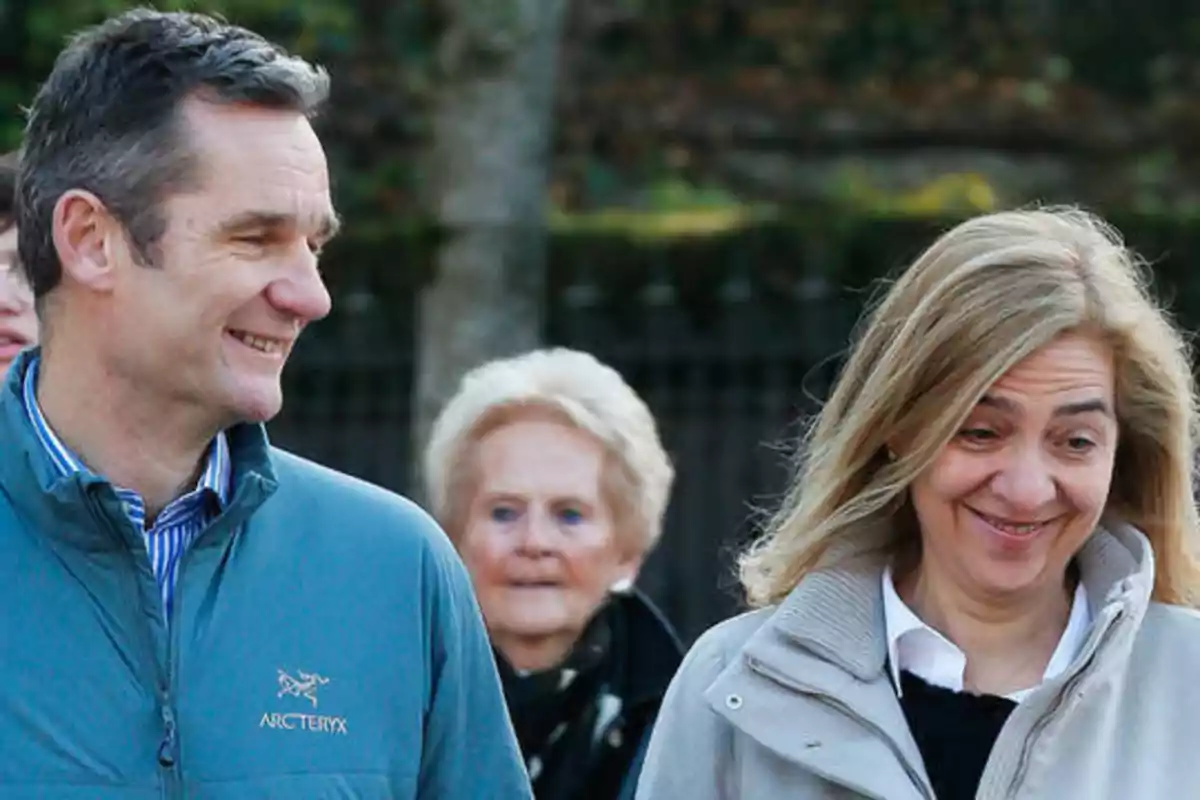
<point x="18" y="323"/>
<point x="1014" y="495"/>
<point x="539" y="539"/>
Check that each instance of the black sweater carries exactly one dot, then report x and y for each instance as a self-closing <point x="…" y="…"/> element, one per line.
<point x="955" y="732"/>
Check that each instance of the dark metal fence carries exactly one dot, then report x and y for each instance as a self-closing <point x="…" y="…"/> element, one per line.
<point x="725" y="357"/>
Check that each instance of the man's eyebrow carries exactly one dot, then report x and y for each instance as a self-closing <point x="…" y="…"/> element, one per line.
<point x="249" y="220"/>
<point x="253" y="220"/>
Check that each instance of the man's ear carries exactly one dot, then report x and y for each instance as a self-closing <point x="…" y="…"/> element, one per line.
<point x="84" y="234"/>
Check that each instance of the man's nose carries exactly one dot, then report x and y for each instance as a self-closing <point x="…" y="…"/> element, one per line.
<point x="301" y="294"/>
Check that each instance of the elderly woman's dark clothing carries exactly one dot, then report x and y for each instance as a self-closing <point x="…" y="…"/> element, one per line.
<point x="581" y="724"/>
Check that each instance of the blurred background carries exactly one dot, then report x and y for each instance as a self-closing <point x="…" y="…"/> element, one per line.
<point x="700" y="192"/>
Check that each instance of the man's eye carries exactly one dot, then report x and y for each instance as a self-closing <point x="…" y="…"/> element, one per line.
<point x="254" y="239"/>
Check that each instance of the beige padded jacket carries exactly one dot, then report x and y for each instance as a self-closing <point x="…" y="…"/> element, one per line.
<point x="794" y="702"/>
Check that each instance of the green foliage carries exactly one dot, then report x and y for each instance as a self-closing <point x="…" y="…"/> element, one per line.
<point x="909" y="62"/>
<point x="313" y="28"/>
<point x="953" y="194"/>
<point x="301" y="24"/>
<point x="1129" y="52"/>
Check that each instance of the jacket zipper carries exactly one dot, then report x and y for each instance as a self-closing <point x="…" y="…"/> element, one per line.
<point x="1059" y="701"/>
<point x="173" y="788"/>
<point x="167" y="753"/>
<point x="833" y="702"/>
<point x="166" y="748"/>
<point x="170" y="742"/>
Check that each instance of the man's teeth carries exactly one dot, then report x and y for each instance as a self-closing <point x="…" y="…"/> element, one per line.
<point x="258" y="342"/>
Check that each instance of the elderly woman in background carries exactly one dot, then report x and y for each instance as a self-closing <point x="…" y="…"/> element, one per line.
<point x="547" y="472"/>
<point x="978" y="585"/>
<point x="18" y="322"/>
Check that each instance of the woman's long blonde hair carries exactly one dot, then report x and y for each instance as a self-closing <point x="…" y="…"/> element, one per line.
<point x="984" y="296"/>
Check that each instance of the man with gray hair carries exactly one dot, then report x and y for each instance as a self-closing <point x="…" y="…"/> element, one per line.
<point x="189" y="612"/>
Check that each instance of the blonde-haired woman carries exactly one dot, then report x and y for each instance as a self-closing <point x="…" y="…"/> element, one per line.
<point x="978" y="586"/>
<point x="548" y="474"/>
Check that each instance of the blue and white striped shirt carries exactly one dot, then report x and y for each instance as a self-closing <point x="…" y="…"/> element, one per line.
<point x="179" y="523"/>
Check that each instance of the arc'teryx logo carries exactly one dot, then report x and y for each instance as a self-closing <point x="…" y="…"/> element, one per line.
<point x="305" y="685"/>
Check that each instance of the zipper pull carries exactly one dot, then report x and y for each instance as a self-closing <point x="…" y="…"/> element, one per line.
<point x="166" y="748"/>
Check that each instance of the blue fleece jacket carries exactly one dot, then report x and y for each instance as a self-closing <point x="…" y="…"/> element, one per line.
<point x="324" y="643"/>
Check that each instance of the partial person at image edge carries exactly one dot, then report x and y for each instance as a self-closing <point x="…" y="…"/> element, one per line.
<point x="981" y="582"/>
<point x="187" y="610"/>
<point x="18" y="321"/>
<point x="547" y="471"/>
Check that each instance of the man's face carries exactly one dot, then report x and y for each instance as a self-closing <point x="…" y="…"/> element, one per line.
<point x="235" y="281"/>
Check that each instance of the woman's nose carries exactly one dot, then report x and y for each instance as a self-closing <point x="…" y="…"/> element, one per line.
<point x="539" y="534"/>
<point x="1026" y="482"/>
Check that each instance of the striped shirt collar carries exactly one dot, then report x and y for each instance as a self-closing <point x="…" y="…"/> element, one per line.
<point x="214" y="480"/>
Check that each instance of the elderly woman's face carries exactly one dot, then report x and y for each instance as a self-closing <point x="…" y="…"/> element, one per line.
<point x="1014" y="495"/>
<point x="539" y="539"/>
<point x="18" y="323"/>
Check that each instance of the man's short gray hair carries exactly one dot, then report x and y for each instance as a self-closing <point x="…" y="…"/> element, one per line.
<point x="107" y="120"/>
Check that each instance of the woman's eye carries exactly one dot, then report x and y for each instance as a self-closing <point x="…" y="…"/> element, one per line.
<point x="977" y="434"/>
<point x="1080" y="444"/>
<point x="503" y="514"/>
<point x="571" y="516"/>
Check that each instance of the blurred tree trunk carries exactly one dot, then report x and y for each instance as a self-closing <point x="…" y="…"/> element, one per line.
<point x="485" y="175"/>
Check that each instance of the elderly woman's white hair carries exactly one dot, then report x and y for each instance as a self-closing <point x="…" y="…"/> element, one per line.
<point x="581" y="391"/>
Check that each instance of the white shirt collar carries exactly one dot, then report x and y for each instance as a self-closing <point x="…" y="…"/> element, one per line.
<point x="919" y="649"/>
